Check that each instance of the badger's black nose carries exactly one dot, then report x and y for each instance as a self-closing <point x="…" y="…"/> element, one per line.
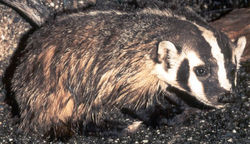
<point x="226" y="97"/>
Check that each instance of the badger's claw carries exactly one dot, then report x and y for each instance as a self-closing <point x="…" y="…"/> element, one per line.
<point x="111" y="128"/>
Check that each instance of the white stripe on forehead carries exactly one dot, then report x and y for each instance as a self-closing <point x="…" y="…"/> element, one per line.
<point x="194" y="59"/>
<point x="218" y="55"/>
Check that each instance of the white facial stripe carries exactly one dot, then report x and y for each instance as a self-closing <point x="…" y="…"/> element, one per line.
<point x="216" y="52"/>
<point x="169" y="76"/>
<point x="196" y="87"/>
<point x="194" y="84"/>
<point x="194" y="59"/>
<point x="238" y="51"/>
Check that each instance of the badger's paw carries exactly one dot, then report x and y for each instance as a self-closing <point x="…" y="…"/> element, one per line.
<point x="158" y="116"/>
<point x="111" y="128"/>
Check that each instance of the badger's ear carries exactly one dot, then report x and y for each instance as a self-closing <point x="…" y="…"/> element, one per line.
<point x="240" y="46"/>
<point x="166" y="50"/>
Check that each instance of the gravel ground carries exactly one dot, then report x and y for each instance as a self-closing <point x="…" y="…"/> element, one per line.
<point x="12" y="27"/>
<point x="228" y="125"/>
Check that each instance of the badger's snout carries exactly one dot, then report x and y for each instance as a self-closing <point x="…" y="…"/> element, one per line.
<point x="218" y="100"/>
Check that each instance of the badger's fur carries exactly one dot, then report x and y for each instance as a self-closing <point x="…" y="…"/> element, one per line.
<point x="79" y="65"/>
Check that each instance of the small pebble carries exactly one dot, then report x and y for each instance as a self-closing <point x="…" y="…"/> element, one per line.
<point x="2" y="37"/>
<point x="189" y="139"/>
<point x="230" y="140"/>
<point x="110" y="140"/>
<point x="52" y="4"/>
<point x="10" y="139"/>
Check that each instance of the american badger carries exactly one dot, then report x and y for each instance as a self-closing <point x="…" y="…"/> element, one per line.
<point x="76" y="66"/>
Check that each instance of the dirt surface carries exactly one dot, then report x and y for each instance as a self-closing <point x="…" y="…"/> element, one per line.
<point x="228" y="125"/>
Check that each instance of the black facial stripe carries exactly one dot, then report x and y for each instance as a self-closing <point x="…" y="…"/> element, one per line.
<point x="227" y="53"/>
<point x="224" y="45"/>
<point x="231" y="72"/>
<point x="183" y="75"/>
<point x="235" y="61"/>
<point x="179" y="49"/>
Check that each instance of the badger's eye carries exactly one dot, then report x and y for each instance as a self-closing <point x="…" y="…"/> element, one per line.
<point x="201" y="71"/>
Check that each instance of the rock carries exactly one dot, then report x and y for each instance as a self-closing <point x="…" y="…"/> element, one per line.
<point x="236" y="24"/>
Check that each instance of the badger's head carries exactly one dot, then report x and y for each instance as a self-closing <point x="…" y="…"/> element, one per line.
<point x="200" y="62"/>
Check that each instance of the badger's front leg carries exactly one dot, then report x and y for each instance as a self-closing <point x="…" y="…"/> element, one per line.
<point x="157" y="115"/>
<point x="107" y="122"/>
<point x="111" y="128"/>
<point x="180" y="118"/>
<point x="171" y="111"/>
